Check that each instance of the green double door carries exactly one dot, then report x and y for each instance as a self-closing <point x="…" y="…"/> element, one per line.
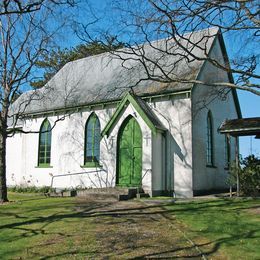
<point x="129" y="171"/>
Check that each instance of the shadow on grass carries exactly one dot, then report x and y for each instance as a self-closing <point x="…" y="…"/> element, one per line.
<point x="94" y="209"/>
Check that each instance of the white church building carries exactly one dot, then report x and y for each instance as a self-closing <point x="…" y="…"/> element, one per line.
<point x="96" y="124"/>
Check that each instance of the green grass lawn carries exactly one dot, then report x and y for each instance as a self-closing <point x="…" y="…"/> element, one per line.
<point x="38" y="227"/>
<point x="230" y="226"/>
<point x="35" y="227"/>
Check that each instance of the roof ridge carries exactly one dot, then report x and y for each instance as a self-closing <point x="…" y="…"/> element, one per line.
<point x="144" y="44"/>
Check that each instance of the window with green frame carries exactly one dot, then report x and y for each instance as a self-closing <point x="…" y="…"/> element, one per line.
<point x="44" y="153"/>
<point x="210" y="154"/>
<point x="92" y="140"/>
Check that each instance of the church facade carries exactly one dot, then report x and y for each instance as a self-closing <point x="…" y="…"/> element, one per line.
<point x="89" y="130"/>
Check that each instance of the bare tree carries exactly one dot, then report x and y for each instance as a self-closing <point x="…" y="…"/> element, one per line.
<point x="27" y="30"/>
<point x="142" y="23"/>
<point x="22" y="7"/>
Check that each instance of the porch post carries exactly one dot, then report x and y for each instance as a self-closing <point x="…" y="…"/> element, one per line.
<point x="229" y="164"/>
<point x="237" y="163"/>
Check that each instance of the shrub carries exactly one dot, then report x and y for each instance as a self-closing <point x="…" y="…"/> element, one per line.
<point x="30" y="189"/>
<point x="249" y="175"/>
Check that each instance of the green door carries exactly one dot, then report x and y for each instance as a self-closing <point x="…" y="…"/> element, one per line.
<point x="129" y="171"/>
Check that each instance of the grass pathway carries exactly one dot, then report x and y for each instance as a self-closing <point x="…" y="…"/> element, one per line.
<point x="35" y="227"/>
<point x="135" y="230"/>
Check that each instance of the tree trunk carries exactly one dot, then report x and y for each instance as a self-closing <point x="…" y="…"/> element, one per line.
<point x="3" y="188"/>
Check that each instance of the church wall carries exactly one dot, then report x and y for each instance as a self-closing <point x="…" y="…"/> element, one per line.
<point x="67" y="153"/>
<point x="204" y="99"/>
<point x="166" y="156"/>
<point x="158" y="164"/>
<point x="14" y="159"/>
<point x="175" y="114"/>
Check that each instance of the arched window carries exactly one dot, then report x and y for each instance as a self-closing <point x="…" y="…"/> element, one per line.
<point x="44" y="154"/>
<point x="227" y="151"/>
<point x="209" y="139"/>
<point x="92" y="140"/>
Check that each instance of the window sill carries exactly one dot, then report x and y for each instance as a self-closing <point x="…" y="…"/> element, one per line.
<point x="44" y="166"/>
<point x="91" y="165"/>
<point x="211" y="166"/>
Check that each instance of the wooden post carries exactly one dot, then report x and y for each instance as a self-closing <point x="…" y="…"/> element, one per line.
<point x="237" y="164"/>
<point x="229" y="164"/>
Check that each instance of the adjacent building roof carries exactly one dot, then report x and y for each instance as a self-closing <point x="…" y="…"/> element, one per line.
<point x="105" y="77"/>
<point x="241" y="127"/>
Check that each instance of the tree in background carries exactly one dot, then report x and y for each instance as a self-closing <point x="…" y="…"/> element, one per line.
<point x="27" y="31"/>
<point x="22" y="7"/>
<point x="52" y="62"/>
<point x="249" y="175"/>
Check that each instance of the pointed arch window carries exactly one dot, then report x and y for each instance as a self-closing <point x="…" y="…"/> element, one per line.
<point x="227" y="151"/>
<point x="92" y="140"/>
<point x="44" y="153"/>
<point x="210" y="155"/>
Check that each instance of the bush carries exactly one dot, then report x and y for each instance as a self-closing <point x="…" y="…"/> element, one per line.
<point x="249" y="176"/>
<point x="30" y="189"/>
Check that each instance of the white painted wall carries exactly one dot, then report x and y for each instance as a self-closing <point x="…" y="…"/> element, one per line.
<point x="67" y="153"/>
<point x="14" y="150"/>
<point x="205" y="98"/>
<point x="175" y="114"/>
<point x="166" y="158"/>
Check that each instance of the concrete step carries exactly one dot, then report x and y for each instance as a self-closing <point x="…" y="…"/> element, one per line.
<point x="61" y="193"/>
<point x="142" y="195"/>
<point x="116" y="193"/>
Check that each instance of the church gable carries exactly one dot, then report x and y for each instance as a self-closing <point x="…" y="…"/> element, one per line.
<point x="141" y="108"/>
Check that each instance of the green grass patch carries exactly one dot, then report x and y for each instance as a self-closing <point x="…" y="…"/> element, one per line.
<point x="34" y="227"/>
<point x="231" y="226"/>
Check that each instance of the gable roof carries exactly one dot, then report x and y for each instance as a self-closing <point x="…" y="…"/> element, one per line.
<point x="143" y="110"/>
<point x="104" y="77"/>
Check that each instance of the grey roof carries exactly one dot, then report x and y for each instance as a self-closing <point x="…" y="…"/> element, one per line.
<point x="105" y="77"/>
<point x="241" y="127"/>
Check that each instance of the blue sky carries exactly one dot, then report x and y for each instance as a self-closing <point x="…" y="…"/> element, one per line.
<point x="250" y="106"/>
<point x="250" y="103"/>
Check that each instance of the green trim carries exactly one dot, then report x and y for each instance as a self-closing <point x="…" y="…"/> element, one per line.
<point x="142" y="113"/>
<point x="93" y="118"/>
<point x="128" y="99"/>
<point x="120" y="107"/>
<point x="76" y="109"/>
<point x="46" y="132"/>
<point x="43" y="166"/>
<point x="91" y="165"/>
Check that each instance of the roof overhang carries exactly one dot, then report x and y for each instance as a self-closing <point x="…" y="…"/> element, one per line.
<point x="241" y="127"/>
<point x="142" y="109"/>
